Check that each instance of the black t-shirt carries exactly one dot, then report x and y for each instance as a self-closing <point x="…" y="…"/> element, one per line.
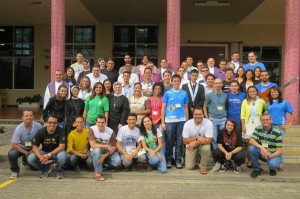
<point x="49" y="141"/>
<point x="227" y="143"/>
<point x="226" y="86"/>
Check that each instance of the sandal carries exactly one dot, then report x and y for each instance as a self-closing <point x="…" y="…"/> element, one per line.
<point x="203" y="170"/>
<point x="280" y="168"/>
<point x="99" y="177"/>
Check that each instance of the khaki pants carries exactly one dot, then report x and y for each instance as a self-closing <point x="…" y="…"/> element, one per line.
<point x="191" y="156"/>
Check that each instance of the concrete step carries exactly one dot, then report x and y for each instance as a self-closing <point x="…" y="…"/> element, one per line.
<point x="292" y="159"/>
<point x="290" y="139"/>
<point x="291" y="149"/>
<point x="293" y="130"/>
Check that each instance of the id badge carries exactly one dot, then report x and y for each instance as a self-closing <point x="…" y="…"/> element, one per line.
<point x="28" y="144"/>
<point x="220" y="108"/>
<point x="265" y="145"/>
<point x="177" y="105"/>
<point x="154" y="113"/>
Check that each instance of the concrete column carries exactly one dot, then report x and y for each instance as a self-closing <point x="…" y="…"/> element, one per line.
<point x="173" y="33"/>
<point x="57" y="61"/>
<point x="292" y="53"/>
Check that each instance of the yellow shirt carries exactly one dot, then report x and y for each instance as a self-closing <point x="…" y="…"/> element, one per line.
<point x="78" y="141"/>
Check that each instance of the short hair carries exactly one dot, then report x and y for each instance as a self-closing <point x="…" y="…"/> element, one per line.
<point x="160" y="85"/>
<point x="194" y="71"/>
<point x="234" y="81"/>
<point x="101" y="117"/>
<point x="210" y="75"/>
<point x="85" y="60"/>
<point x="131" y="115"/>
<point x="199" y="108"/>
<point x="148" y="68"/>
<point x="235" y="52"/>
<point x="125" y="71"/>
<point x="167" y="71"/>
<point x="180" y="68"/>
<point x="229" y="69"/>
<point x="175" y="76"/>
<point x="53" y="116"/>
<point x="266" y="114"/>
<point x="95" y="66"/>
<point x="223" y="60"/>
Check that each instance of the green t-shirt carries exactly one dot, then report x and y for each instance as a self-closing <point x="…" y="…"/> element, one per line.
<point x="95" y="107"/>
<point x="151" y="140"/>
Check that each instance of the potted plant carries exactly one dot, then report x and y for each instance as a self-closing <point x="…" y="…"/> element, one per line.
<point x="29" y="103"/>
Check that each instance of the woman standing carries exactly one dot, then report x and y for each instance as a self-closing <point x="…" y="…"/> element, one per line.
<point x="248" y="81"/>
<point x="85" y="88"/>
<point x="152" y="142"/>
<point x="69" y="77"/>
<point x="230" y="147"/>
<point x="147" y="84"/>
<point x="240" y="75"/>
<point x="139" y="104"/>
<point x="107" y="87"/>
<point x="156" y="103"/>
<point x="118" y="108"/>
<point x="74" y="107"/>
<point x="278" y="108"/>
<point x="167" y="80"/>
<point x="95" y="105"/>
<point x="56" y="105"/>
<point x="251" y="110"/>
<point x="257" y="72"/>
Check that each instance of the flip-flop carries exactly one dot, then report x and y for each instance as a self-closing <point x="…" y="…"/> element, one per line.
<point x="99" y="178"/>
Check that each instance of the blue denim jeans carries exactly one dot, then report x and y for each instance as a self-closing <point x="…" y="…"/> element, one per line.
<point x="255" y="155"/>
<point x="113" y="160"/>
<point x="88" y="125"/>
<point x="282" y="131"/>
<point x="161" y="165"/>
<point x="218" y="124"/>
<point x="13" y="156"/>
<point x="60" y="159"/>
<point x="174" y="131"/>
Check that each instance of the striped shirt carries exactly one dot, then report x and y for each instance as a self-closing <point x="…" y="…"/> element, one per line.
<point x="273" y="138"/>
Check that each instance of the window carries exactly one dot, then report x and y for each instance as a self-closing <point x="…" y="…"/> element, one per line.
<point x="270" y="56"/>
<point x="136" y="40"/>
<point x="79" y="39"/>
<point x="17" y="57"/>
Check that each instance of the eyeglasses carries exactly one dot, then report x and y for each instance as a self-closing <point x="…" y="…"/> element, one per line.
<point x="52" y="123"/>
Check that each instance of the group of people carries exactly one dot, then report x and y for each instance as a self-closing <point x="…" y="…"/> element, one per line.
<point x="105" y="118"/>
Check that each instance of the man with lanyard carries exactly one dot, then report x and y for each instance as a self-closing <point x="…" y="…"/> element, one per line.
<point x="21" y="142"/>
<point x="195" y="93"/>
<point x="197" y="136"/>
<point x="266" y="145"/>
<point x="174" y="113"/>
<point x="216" y="101"/>
<point x="127" y="88"/>
<point x="265" y="84"/>
<point x="52" y="138"/>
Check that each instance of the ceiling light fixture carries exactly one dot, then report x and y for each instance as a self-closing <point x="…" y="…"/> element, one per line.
<point x="211" y="3"/>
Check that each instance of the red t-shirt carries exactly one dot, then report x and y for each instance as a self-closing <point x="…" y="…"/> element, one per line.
<point x="156" y="105"/>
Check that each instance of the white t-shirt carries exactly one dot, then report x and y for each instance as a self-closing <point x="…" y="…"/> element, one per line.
<point x="134" y="78"/>
<point x="191" y="130"/>
<point x="84" y="94"/>
<point x="129" y="138"/>
<point x="102" y="137"/>
<point x="93" y="79"/>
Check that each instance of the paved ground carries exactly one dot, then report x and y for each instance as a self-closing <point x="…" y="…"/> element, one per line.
<point x="144" y="184"/>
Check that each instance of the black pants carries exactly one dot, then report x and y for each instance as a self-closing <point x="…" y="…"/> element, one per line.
<point x="238" y="158"/>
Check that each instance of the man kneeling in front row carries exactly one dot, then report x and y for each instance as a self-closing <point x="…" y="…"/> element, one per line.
<point x="266" y="145"/>
<point x="52" y="139"/>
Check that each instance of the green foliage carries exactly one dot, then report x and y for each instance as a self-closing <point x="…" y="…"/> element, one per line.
<point x="35" y="98"/>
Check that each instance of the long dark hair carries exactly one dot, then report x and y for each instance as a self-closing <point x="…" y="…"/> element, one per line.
<point x="58" y="96"/>
<point x="244" y="74"/>
<point x="161" y="87"/>
<point x="143" y="129"/>
<point x="253" y="75"/>
<point x="94" y="88"/>
<point x="248" y="97"/>
<point x="66" y="78"/>
<point x="280" y="99"/>
<point x="233" y="134"/>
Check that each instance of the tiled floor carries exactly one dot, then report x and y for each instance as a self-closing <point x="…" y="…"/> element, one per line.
<point x="13" y="113"/>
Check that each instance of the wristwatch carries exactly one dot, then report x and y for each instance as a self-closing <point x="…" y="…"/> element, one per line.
<point x="49" y="154"/>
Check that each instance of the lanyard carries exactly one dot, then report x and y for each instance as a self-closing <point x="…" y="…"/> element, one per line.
<point x="193" y="93"/>
<point x="28" y="133"/>
<point x="155" y="103"/>
<point x="266" y="138"/>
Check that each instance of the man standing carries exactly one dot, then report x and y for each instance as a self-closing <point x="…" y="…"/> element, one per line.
<point x="221" y="73"/>
<point x="110" y="72"/>
<point x="21" y="142"/>
<point x="253" y="63"/>
<point x="228" y="78"/>
<point x="235" y="59"/>
<point x="211" y="66"/>
<point x="52" y="139"/>
<point x="127" y="60"/>
<point x="174" y="113"/>
<point x="52" y="87"/>
<point x="266" y="145"/>
<point x="85" y="70"/>
<point x="197" y="136"/>
<point x="96" y="76"/>
<point x="265" y="84"/>
<point x="134" y="78"/>
<point x="215" y="109"/>
<point x="103" y="147"/>
<point x="127" y="88"/>
<point x="163" y="67"/>
<point x="128" y="143"/>
<point x="195" y="93"/>
<point x="78" y="145"/>
<point x="78" y="65"/>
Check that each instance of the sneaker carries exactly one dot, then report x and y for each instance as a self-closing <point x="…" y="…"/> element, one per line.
<point x="77" y="169"/>
<point x="223" y="168"/>
<point x="254" y="173"/>
<point x="169" y="164"/>
<point x="273" y="172"/>
<point x="59" y="175"/>
<point x="179" y="165"/>
<point x="46" y="173"/>
<point x="14" y="175"/>
<point x="23" y="163"/>
<point x="237" y="169"/>
<point x="216" y="167"/>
